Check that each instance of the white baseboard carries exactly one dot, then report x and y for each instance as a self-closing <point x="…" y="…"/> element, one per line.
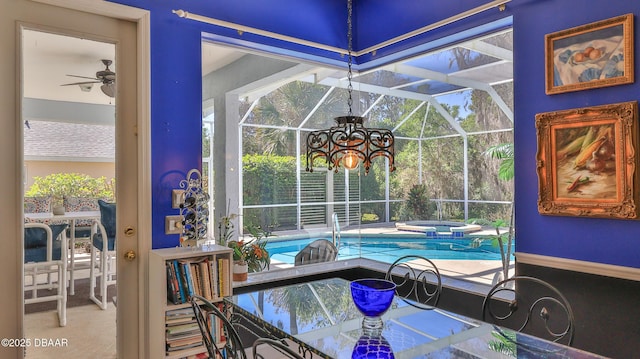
<point x="608" y="270"/>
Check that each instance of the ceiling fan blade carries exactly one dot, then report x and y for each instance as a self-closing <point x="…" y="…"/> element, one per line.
<point x="109" y="89"/>
<point x="85" y="77"/>
<point x="82" y="83"/>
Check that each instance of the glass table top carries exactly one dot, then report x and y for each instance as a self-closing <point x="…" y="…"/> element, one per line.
<point x="321" y="317"/>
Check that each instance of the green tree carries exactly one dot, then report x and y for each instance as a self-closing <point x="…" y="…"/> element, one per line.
<point x="59" y="185"/>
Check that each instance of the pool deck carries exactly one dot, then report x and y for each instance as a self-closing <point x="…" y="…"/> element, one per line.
<point x="477" y="271"/>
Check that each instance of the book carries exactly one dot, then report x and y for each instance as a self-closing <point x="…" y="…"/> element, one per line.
<point x="175" y="329"/>
<point x="195" y="277"/>
<point x="178" y="320"/>
<point x="224" y="284"/>
<point x="205" y="281"/>
<point x="220" y="279"/>
<point x="213" y="273"/>
<point x="181" y="281"/>
<point x="172" y="290"/>
<point x="186" y="274"/>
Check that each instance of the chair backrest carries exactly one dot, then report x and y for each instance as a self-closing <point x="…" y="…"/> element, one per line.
<point x="278" y="349"/>
<point x="106" y="227"/>
<point x="530" y="305"/>
<point x="108" y="217"/>
<point x="37" y="204"/>
<point x="207" y="315"/>
<point x="318" y="251"/>
<point x="40" y="244"/>
<point x="80" y="204"/>
<point x="416" y="278"/>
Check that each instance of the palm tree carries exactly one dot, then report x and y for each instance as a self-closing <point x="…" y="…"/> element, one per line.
<point x="504" y="152"/>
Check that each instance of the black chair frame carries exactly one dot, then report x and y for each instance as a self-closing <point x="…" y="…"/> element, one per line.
<point x="414" y="283"/>
<point x="553" y="301"/>
<point x="232" y="347"/>
<point x="277" y="345"/>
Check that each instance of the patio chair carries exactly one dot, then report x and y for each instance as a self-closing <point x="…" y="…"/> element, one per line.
<point x="416" y="278"/>
<point x="45" y="253"/>
<point x="207" y="315"/>
<point x="103" y="253"/>
<point x="532" y="305"/>
<point x="78" y="232"/>
<point x="318" y="251"/>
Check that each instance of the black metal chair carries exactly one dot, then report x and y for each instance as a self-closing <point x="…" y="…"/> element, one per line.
<point x="318" y="251"/>
<point x="207" y="315"/>
<point x="276" y="349"/>
<point x="416" y="278"/>
<point x="530" y="305"/>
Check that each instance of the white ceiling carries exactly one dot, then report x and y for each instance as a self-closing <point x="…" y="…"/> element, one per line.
<point x="48" y="59"/>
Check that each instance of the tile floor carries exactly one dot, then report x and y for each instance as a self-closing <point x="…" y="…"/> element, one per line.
<point x="90" y="333"/>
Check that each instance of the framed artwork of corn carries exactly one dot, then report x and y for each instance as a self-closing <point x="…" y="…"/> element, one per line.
<point x="587" y="161"/>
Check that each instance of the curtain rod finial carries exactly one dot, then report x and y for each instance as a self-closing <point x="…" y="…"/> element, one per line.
<point x="180" y="13"/>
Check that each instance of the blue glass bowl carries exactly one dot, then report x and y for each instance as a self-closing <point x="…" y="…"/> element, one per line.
<point x="372" y="297"/>
<point x="372" y="346"/>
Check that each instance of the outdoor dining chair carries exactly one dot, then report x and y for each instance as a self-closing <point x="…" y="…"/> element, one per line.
<point x="103" y="253"/>
<point x="46" y="255"/>
<point x="416" y="278"/>
<point x="530" y="305"/>
<point x="318" y="251"/>
<point x="79" y="232"/>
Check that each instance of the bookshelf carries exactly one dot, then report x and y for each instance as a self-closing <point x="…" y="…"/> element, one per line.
<point x="167" y="312"/>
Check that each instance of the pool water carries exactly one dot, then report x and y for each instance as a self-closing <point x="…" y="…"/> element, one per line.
<point x="388" y="249"/>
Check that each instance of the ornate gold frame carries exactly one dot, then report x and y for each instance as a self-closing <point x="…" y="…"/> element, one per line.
<point x="568" y="39"/>
<point x="586" y="161"/>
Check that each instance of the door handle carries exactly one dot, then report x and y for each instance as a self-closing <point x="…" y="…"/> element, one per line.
<point x="130" y="255"/>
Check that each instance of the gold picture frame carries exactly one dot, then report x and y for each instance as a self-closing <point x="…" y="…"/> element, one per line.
<point x="586" y="161"/>
<point x="590" y="56"/>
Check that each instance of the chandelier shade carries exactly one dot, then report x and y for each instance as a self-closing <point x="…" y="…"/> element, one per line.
<point x="350" y="143"/>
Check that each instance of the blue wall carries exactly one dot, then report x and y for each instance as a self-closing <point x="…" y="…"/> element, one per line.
<point x="597" y="240"/>
<point x="176" y="90"/>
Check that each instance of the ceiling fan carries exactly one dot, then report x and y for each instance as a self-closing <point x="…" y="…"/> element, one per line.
<point x="106" y="77"/>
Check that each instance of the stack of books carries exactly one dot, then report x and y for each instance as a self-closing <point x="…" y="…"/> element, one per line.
<point x="199" y="276"/>
<point x="182" y="331"/>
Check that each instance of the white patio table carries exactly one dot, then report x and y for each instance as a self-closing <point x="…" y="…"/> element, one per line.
<point x="71" y="218"/>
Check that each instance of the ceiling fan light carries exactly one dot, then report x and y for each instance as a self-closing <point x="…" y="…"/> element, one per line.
<point x="85" y="87"/>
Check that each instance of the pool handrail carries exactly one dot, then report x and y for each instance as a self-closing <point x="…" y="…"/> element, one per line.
<point x="335" y="232"/>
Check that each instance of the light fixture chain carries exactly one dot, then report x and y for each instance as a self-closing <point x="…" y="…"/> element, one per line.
<point x="350" y="143"/>
<point x="349" y="58"/>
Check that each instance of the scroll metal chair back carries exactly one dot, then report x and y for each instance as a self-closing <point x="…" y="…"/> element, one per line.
<point x="416" y="278"/>
<point x="278" y="349"/>
<point x="318" y="251"/>
<point x="231" y="347"/>
<point x="531" y="304"/>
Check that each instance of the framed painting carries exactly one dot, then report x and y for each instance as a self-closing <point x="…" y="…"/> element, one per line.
<point x="586" y="161"/>
<point x="589" y="56"/>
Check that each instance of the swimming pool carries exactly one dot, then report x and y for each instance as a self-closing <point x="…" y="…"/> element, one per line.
<point x="388" y="249"/>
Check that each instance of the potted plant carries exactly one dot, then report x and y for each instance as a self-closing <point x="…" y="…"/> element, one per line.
<point x="251" y="255"/>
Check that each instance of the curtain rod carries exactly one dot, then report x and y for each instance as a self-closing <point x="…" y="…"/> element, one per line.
<point x="241" y="28"/>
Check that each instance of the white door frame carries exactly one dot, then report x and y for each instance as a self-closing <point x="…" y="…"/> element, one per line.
<point x="135" y="344"/>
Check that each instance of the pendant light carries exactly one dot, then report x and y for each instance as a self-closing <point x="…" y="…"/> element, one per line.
<point x="350" y="143"/>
